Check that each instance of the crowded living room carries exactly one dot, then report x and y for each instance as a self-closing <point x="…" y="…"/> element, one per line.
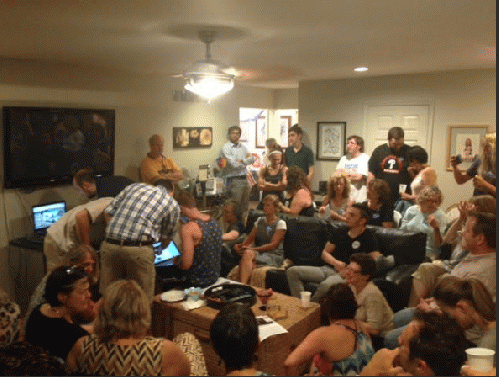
<point x="226" y="187"/>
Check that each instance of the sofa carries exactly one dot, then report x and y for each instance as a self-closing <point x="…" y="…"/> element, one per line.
<point x="306" y="237"/>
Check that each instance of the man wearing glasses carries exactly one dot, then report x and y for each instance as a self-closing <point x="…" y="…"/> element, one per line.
<point x="343" y="242"/>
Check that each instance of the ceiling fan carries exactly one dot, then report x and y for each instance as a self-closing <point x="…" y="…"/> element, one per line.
<point x="208" y="78"/>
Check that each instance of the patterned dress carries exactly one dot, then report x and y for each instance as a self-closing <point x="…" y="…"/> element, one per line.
<point x="143" y="358"/>
<point x="205" y="268"/>
<point x="353" y="364"/>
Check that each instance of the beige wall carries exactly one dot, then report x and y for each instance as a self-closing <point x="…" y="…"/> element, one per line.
<point x="466" y="97"/>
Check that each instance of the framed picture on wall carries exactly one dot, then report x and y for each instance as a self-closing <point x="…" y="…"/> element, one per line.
<point x="261" y="132"/>
<point x="285" y="124"/>
<point x="464" y="143"/>
<point x="192" y="137"/>
<point x="330" y="140"/>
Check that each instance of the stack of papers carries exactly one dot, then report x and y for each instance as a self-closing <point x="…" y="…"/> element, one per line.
<point x="268" y="327"/>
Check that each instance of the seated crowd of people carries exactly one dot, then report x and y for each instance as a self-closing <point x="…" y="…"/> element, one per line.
<point x="91" y="313"/>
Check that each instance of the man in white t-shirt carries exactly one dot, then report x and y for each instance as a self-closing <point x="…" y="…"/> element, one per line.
<point x="84" y="224"/>
<point x="354" y="165"/>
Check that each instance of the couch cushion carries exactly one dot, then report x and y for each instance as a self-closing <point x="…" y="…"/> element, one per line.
<point x="304" y="240"/>
<point x="406" y="247"/>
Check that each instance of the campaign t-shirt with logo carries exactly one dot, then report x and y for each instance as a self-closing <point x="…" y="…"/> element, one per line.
<point x="390" y="165"/>
<point x="346" y="246"/>
<point x="357" y="165"/>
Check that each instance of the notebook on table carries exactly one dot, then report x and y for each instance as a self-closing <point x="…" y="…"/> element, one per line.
<point x="44" y="216"/>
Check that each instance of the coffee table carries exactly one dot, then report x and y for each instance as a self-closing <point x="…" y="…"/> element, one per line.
<point x="170" y="319"/>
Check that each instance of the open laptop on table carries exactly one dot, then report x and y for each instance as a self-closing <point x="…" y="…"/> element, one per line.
<point x="44" y="216"/>
<point x="167" y="271"/>
<point x="165" y="255"/>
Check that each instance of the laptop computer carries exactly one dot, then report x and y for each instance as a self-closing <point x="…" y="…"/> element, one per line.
<point x="44" y="216"/>
<point x="165" y="255"/>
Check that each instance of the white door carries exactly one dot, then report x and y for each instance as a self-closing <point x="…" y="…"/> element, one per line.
<point x="378" y="119"/>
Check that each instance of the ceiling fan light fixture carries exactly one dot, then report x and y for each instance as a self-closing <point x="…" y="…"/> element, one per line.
<point x="207" y="86"/>
<point x="208" y="78"/>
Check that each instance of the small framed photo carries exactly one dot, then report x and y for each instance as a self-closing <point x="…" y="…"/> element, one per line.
<point x="261" y="132"/>
<point x="331" y="140"/>
<point x="464" y="143"/>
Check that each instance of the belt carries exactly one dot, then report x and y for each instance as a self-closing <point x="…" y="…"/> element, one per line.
<point x="128" y="242"/>
<point x="237" y="177"/>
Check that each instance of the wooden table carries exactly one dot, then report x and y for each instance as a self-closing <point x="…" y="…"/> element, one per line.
<point x="170" y="319"/>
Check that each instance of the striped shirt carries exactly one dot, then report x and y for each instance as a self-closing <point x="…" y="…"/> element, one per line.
<point x="142" y="212"/>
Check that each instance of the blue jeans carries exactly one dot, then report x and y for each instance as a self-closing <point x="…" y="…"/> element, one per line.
<point x="400" y="321"/>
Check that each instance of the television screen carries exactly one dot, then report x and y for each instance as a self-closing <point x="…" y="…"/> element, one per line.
<point x="45" y="146"/>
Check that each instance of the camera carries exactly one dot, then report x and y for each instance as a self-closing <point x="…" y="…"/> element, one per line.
<point x="459" y="159"/>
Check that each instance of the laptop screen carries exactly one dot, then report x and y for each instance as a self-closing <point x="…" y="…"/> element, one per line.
<point x="165" y="254"/>
<point x="45" y="215"/>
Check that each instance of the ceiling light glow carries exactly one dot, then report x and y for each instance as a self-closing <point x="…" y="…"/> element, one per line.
<point x="361" y="69"/>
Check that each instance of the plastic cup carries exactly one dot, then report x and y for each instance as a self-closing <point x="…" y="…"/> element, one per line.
<point x="402" y="188"/>
<point x="305" y="299"/>
<point x="481" y="359"/>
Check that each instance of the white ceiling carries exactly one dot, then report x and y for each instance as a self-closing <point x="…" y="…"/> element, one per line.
<point x="274" y="43"/>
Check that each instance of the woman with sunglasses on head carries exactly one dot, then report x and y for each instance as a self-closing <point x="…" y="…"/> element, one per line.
<point x="51" y="325"/>
<point x="85" y="257"/>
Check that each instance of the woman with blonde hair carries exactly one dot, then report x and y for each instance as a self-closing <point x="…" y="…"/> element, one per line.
<point x="121" y="345"/>
<point x="469" y="302"/>
<point x="482" y="170"/>
<point x="337" y="198"/>
<point x="426" y="217"/>
<point x="300" y="197"/>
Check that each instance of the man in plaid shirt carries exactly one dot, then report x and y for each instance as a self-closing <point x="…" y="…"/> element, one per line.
<point x="139" y="216"/>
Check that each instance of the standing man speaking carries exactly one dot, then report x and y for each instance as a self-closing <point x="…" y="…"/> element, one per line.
<point x="237" y="158"/>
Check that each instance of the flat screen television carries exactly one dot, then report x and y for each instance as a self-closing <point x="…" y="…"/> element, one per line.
<point x="46" y="146"/>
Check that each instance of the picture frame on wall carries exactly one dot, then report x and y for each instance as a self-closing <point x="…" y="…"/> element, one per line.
<point x="285" y="125"/>
<point x="464" y="141"/>
<point x="331" y="140"/>
<point x="261" y="132"/>
<point x="192" y="137"/>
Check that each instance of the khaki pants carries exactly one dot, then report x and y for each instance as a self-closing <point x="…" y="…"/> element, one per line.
<point x="429" y="275"/>
<point x="53" y="253"/>
<point x="130" y="263"/>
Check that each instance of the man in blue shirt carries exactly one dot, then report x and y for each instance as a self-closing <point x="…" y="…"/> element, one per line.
<point x="237" y="157"/>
